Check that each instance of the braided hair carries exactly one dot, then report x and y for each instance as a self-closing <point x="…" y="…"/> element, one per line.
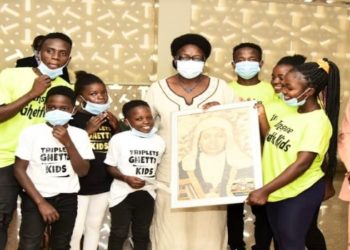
<point x="325" y="78"/>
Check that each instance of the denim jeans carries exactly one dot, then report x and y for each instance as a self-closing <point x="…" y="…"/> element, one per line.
<point x="8" y="201"/>
<point x="33" y="226"/>
<point x="137" y="208"/>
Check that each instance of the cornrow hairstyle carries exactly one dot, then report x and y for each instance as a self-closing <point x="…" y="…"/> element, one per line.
<point x="328" y="84"/>
<point x="84" y="79"/>
<point x="127" y="107"/>
<point x="56" y="35"/>
<point x="248" y="45"/>
<point x="292" y="60"/>
<point x="61" y="90"/>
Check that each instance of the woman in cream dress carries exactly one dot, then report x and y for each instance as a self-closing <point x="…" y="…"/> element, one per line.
<point x="202" y="228"/>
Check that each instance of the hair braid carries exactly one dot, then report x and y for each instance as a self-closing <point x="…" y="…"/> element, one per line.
<point x="326" y="84"/>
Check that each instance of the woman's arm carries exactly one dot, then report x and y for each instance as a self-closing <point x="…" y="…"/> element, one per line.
<point x="296" y="169"/>
<point x="47" y="211"/>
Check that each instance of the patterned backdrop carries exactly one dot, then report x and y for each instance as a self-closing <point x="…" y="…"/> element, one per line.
<point x="117" y="39"/>
<point x="113" y="39"/>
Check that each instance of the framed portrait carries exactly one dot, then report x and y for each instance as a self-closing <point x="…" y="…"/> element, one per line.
<point x="216" y="155"/>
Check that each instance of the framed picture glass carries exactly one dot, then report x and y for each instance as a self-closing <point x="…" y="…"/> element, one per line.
<point x="216" y="156"/>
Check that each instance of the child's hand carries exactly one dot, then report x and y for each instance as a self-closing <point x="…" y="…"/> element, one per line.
<point x="41" y="83"/>
<point x="112" y="120"/>
<point x="48" y="212"/>
<point x="257" y="197"/>
<point x="95" y="123"/>
<point x="260" y="107"/>
<point x="134" y="182"/>
<point x="61" y="134"/>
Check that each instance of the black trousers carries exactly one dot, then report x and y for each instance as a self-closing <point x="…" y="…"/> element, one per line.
<point x="137" y="208"/>
<point x="8" y="201"/>
<point x="33" y="226"/>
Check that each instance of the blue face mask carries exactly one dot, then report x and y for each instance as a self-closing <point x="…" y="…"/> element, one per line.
<point x="97" y="108"/>
<point x="142" y="134"/>
<point x="293" y="102"/>
<point x="137" y="133"/>
<point x="52" y="73"/>
<point x="247" y="69"/>
<point x="57" y="117"/>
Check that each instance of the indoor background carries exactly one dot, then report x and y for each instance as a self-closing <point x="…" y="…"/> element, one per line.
<point x="127" y="42"/>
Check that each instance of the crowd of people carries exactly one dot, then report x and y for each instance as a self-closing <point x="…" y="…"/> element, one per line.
<point x="68" y="158"/>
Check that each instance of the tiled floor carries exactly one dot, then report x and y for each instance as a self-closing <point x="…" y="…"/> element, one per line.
<point x="333" y="222"/>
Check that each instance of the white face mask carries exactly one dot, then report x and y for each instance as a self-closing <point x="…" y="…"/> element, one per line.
<point x="97" y="108"/>
<point x="247" y="69"/>
<point x="189" y="69"/>
<point x="58" y="117"/>
<point x="52" y="73"/>
<point x="293" y="102"/>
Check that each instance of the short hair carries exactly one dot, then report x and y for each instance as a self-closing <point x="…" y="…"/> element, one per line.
<point x="84" y="79"/>
<point x="61" y="90"/>
<point x="37" y="42"/>
<point x="127" y="107"/>
<point x="57" y="35"/>
<point x="191" y="38"/>
<point x="292" y="60"/>
<point x="248" y="45"/>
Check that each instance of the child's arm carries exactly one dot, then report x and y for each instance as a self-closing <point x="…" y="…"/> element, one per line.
<point x="297" y="168"/>
<point x="47" y="211"/>
<point x="80" y="166"/>
<point x="9" y="110"/>
<point x="264" y="125"/>
<point x="132" y="181"/>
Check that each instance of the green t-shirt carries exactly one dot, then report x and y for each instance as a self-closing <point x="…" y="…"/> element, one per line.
<point x="263" y="91"/>
<point x="14" y="83"/>
<point x="307" y="132"/>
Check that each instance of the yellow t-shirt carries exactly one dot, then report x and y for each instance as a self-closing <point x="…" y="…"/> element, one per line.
<point x="277" y="109"/>
<point x="14" y="83"/>
<point x="263" y="91"/>
<point x="307" y="132"/>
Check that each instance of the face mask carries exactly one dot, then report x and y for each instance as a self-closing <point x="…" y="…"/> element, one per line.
<point x="142" y="134"/>
<point x="58" y="117"/>
<point x="52" y="73"/>
<point x="97" y="108"/>
<point x="189" y="69"/>
<point x="293" y="102"/>
<point x="247" y="69"/>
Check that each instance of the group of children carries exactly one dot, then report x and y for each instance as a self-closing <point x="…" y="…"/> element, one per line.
<point x="57" y="141"/>
<point x="72" y="161"/>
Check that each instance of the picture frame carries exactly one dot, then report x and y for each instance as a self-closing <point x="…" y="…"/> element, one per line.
<point x="216" y="155"/>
